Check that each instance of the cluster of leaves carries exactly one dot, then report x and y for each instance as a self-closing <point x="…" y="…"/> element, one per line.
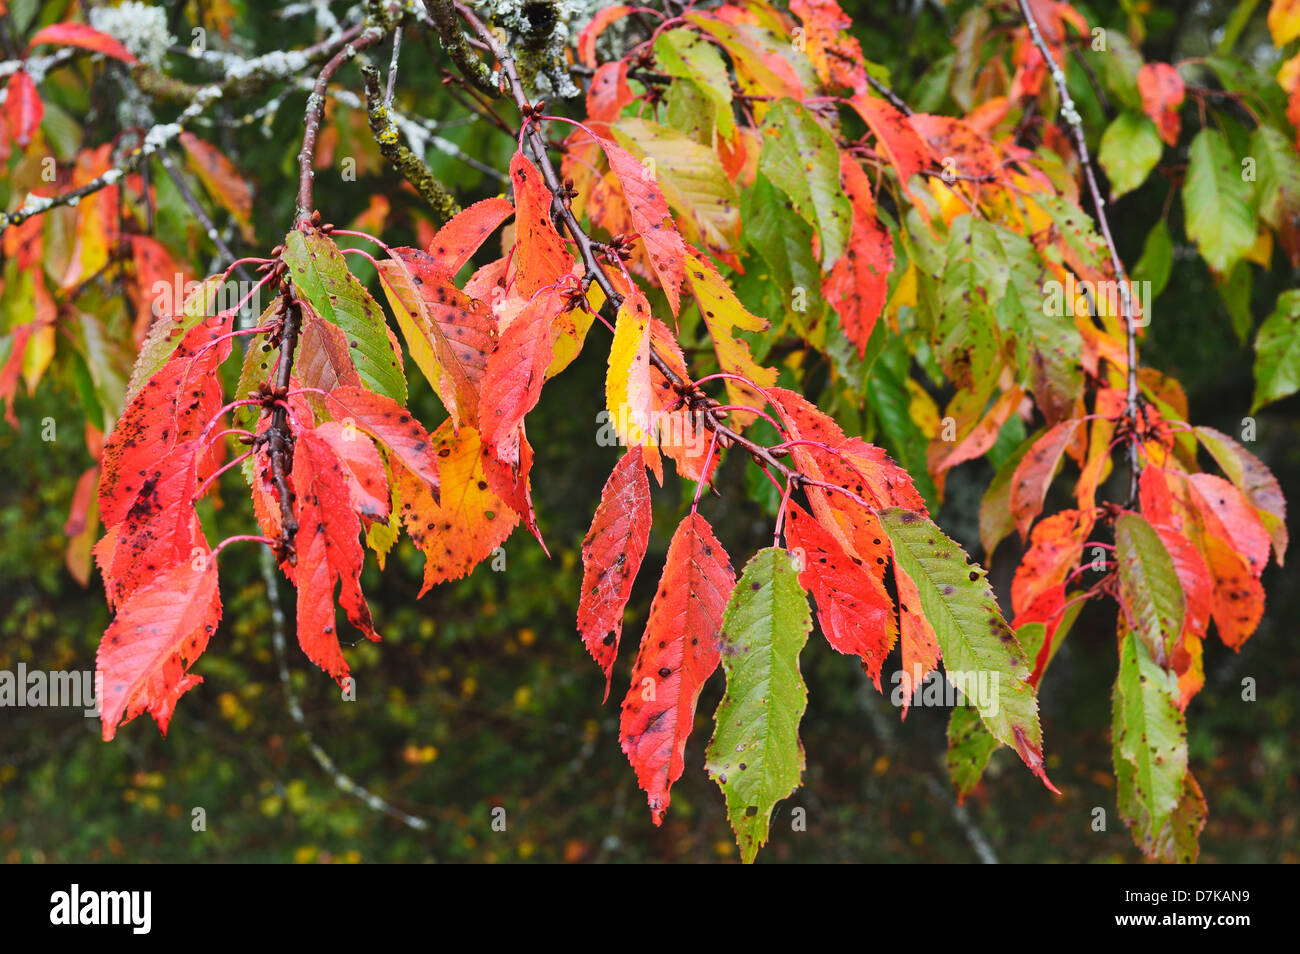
<point x="735" y="161"/>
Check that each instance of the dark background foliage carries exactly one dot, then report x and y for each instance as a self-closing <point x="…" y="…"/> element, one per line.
<point x="481" y="696"/>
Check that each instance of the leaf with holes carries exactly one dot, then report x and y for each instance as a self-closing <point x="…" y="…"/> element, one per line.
<point x="958" y="604"/>
<point x="678" y="653"/>
<point x="611" y="555"/>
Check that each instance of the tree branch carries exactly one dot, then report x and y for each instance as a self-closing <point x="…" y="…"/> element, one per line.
<point x="316" y="110"/>
<point x="406" y="162"/>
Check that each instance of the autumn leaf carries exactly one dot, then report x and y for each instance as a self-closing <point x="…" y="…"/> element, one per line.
<point x="650" y="219"/>
<point x="628" y="389"/>
<point x="173" y="406"/>
<point x="1162" y="91"/>
<point x="329" y="554"/>
<point x="858" y="282"/>
<point x="22" y="108"/>
<point x="853" y="608"/>
<point x="896" y="139"/>
<point x="448" y="333"/>
<point x="392" y="426"/>
<point x="457" y="241"/>
<point x="611" y="555"/>
<point x="515" y="372"/>
<point x="81" y="35"/>
<point x="678" y="653"/>
<point x="723" y="316"/>
<point x="221" y="179"/>
<point x="1034" y="474"/>
<point x="541" y="257"/>
<point x="467" y="522"/>
<point x="144" y="658"/>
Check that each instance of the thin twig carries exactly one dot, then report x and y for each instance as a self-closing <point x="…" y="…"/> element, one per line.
<point x="1075" y="122"/>
<point x="316" y="111"/>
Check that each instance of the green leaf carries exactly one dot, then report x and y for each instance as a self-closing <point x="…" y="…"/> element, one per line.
<point x="1148" y="585"/>
<point x="691" y="175"/>
<point x="783" y="239"/>
<point x="1277" y="352"/>
<point x="1219" y="206"/>
<point x="1157" y="260"/>
<point x="755" y="755"/>
<point x="801" y="159"/>
<point x="1119" y="69"/>
<point x="1049" y="347"/>
<point x="687" y="55"/>
<point x="975" y="276"/>
<point x="1235" y="293"/>
<point x="1277" y="176"/>
<point x="958" y="602"/>
<point x="321" y="277"/>
<point x="1130" y="149"/>
<point x="1149" y="738"/>
<point x="167" y="332"/>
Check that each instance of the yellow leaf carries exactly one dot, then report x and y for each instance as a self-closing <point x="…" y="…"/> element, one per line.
<point x="1284" y="21"/>
<point x="469" y="523"/>
<point x="723" y="314"/>
<point x="628" y="395"/>
<point x="922" y="409"/>
<point x="40" y="351"/>
<point x="1261" y="253"/>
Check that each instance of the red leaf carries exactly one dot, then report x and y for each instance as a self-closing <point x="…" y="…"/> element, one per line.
<point x="458" y="240"/>
<point x="221" y="179"/>
<point x="23" y="108"/>
<point x="156" y="636"/>
<point x="683" y="434"/>
<point x="1238" y="595"/>
<point x="650" y="219"/>
<point x="173" y="406"/>
<point x="392" y="425"/>
<point x="1054" y="549"/>
<point x="957" y="146"/>
<point x="1033" y="475"/>
<point x="328" y="552"/>
<point x="895" y="139"/>
<point x="857" y="284"/>
<point x="611" y="555"/>
<point x="854" y="611"/>
<point x="679" y="652"/>
<point x="1255" y="480"/>
<point x="457" y="329"/>
<point x="160" y="530"/>
<point x="516" y="370"/>
<point x="920" y="646"/>
<point x="594" y="28"/>
<point x="541" y="257"/>
<point x="81" y="35"/>
<point x="1228" y="515"/>
<point x="1162" y="92"/>
<point x="363" y="470"/>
